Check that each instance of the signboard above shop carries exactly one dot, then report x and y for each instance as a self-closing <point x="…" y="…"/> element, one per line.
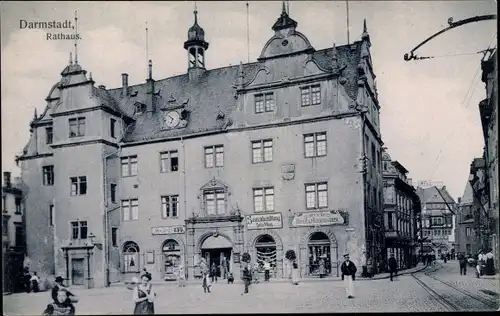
<point x="264" y="221"/>
<point x="318" y="219"/>
<point x="166" y="230"/>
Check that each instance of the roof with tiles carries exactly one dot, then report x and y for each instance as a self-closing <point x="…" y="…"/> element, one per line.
<point x="432" y="195"/>
<point x="211" y="94"/>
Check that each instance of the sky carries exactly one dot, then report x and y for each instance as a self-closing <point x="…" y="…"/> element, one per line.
<point x="429" y="109"/>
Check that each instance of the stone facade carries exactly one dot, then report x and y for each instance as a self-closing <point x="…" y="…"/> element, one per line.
<point x="438" y="221"/>
<point x="13" y="233"/>
<point x="402" y="214"/>
<point x="283" y="153"/>
<point x="488" y="109"/>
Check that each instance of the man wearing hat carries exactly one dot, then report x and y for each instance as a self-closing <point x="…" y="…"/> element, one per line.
<point x="348" y="270"/>
<point x="59" y="286"/>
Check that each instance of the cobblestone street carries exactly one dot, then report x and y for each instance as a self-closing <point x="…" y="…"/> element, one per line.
<point x="402" y="295"/>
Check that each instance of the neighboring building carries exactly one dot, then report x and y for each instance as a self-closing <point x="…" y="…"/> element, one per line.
<point x="402" y="213"/>
<point x="438" y="221"/>
<point x="488" y="109"/>
<point x="13" y="237"/>
<point x="282" y="153"/>
<point x="467" y="240"/>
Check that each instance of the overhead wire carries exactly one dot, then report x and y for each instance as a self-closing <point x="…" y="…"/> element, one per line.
<point x="465" y="102"/>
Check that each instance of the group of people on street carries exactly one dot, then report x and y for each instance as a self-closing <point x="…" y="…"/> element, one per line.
<point x="485" y="263"/>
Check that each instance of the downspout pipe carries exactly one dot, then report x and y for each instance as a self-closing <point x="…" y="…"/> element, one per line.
<point x="106" y="211"/>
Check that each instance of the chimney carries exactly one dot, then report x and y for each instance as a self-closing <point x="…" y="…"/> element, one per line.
<point x="124" y="84"/>
<point x="6" y="179"/>
<point x="102" y="87"/>
<point x="459" y="200"/>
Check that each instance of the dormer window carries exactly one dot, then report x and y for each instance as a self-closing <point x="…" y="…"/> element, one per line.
<point x="139" y="108"/>
<point x="310" y="95"/>
<point x="264" y="102"/>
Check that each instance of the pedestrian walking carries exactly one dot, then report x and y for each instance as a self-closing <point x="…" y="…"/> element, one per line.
<point x="321" y="268"/>
<point x="144" y="296"/>
<point x="204" y="274"/>
<point x="364" y="265"/>
<point x="247" y="277"/>
<point x="490" y="263"/>
<point x="61" y="305"/>
<point x="463" y="263"/>
<point x="479" y="264"/>
<point x="370" y="267"/>
<point x="295" y="273"/>
<point x="255" y="272"/>
<point x="71" y="298"/>
<point x="181" y="276"/>
<point x="213" y="272"/>
<point x="348" y="270"/>
<point x="267" y="270"/>
<point x="35" y="281"/>
<point x="393" y="267"/>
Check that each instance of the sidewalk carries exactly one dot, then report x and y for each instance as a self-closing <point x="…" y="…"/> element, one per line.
<point x="379" y="276"/>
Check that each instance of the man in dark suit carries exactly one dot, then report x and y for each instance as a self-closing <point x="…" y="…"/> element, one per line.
<point x="348" y="270"/>
<point x="393" y="266"/>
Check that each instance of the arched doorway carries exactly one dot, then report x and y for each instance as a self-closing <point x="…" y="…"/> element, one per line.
<point x="131" y="253"/>
<point x="171" y="258"/>
<point x="217" y="250"/>
<point x="319" y="249"/>
<point x="265" y="250"/>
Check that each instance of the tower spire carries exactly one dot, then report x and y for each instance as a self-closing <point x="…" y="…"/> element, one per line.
<point x="283" y="9"/>
<point x="147" y="47"/>
<point x="76" y="37"/>
<point x="70" y="58"/>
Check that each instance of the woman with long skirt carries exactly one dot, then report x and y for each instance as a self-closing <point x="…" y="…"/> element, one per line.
<point x="144" y="296"/>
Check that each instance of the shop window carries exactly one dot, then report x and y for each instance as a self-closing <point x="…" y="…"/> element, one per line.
<point x="319" y="254"/>
<point x="131" y="257"/>
<point x="265" y="248"/>
<point x="171" y="258"/>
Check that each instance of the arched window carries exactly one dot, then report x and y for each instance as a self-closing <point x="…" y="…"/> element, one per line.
<point x="265" y="247"/>
<point x="131" y="253"/>
<point x="319" y="253"/>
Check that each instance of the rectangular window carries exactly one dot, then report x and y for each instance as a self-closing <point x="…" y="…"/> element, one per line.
<point x="390" y="225"/>
<point x="130" y="209"/>
<point x="373" y="156"/>
<point x="19" y="235"/>
<point x="215" y="202"/>
<point x="315" y="145"/>
<point x="112" y="128"/>
<point x="79" y="230"/>
<point x="214" y="156"/>
<point x="169" y="161"/>
<point x="112" y="189"/>
<point x="77" y="127"/>
<point x="18" y="205"/>
<point x="169" y="206"/>
<point x="467" y="231"/>
<point x="263" y="199"/>
<point x="49" y="135"/>
<point x="262" y="151"/>
<point x="264" y="102"/>
<point x="48" y="175"/>
<point x="310" y="95"/>
<point x="114" y="237"/>
<point x="316" y="195"/>
<point x="4" y="204"/>
<point x="51" y="215"/>
<point x="78" y="185"/>
<point x="129" y="166"/>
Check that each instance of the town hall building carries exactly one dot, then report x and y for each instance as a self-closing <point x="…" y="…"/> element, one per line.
<point x="279" y="154"/>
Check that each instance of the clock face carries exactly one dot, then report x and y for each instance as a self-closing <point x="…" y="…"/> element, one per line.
<point x="172" y="119"/>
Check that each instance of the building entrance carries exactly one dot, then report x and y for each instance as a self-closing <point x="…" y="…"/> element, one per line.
<point x="217" y="251"/>
<point x="319" y="254"/>
<point x="77" y="270"/>
<point x="171" y="259"/>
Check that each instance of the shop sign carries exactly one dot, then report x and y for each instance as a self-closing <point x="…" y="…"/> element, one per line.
<point x="318" y="219"/>
<point x="166" y="230"/>
<point x="264" y="221"/>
